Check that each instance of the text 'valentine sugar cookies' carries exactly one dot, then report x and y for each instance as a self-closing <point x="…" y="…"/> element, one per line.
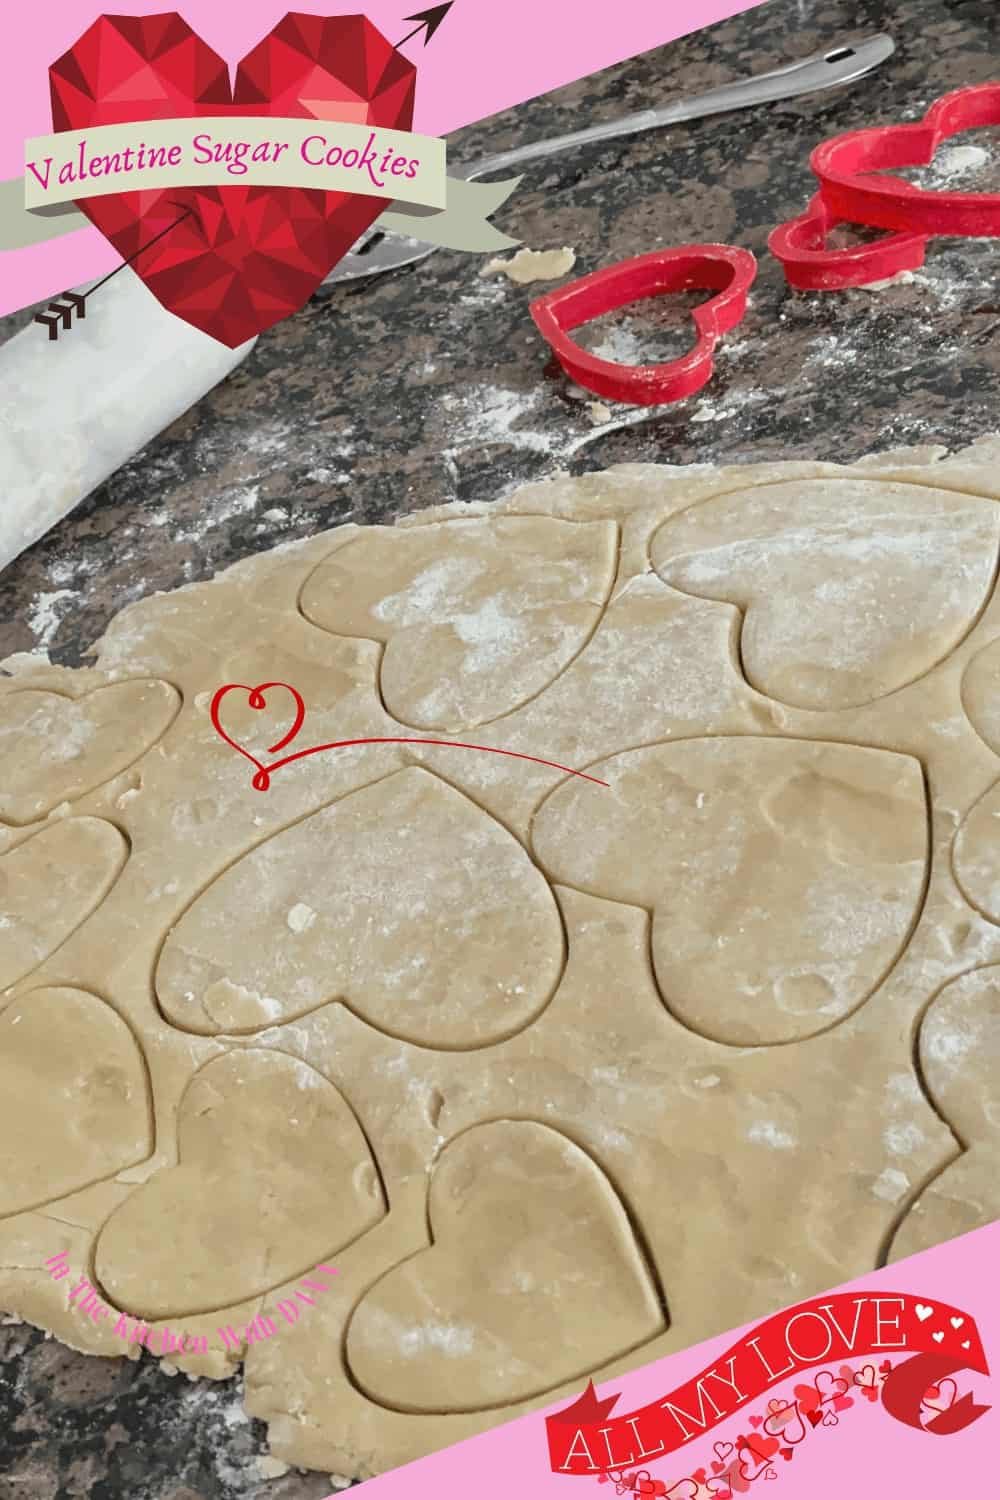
<point x="678" y="1008"/>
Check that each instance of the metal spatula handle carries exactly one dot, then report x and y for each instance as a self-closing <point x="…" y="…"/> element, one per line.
<point x="825" y="70"/>
<point x="838" y="65"/>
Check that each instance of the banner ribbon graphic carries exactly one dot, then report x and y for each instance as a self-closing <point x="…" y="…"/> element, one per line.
<point x="408" y="169"/>
<point x="585" y="1440"/>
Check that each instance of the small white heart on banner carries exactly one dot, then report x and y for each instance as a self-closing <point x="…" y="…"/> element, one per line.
<point x="937" y="1337"/>
<point x="966" y="1344"/>
<point x="923" y="1313"/>
<point x="957" y="1322"/>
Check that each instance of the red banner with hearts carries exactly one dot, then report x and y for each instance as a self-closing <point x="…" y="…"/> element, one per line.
<point x="938" y="1340"/>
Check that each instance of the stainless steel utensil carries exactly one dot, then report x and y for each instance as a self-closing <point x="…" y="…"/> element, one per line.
<point x="377" y="252"/>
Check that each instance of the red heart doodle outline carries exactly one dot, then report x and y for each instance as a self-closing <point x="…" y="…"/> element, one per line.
<point x="261" y="782"/>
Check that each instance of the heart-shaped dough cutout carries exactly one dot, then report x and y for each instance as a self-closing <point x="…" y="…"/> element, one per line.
<point x="783" y="876"/>
<point x="850" y="588"/>
<point x="54" y="749"/>
<point x="73" y="1097"/>
<point x="960" y="1064"/>
<point x="274" y="1174"/>
<point x="405" y="900"/>
<point x="476" y="616"/>
<point x="534" y="1278"/>
<point x="981" y="694"/>
<point x="49" y="885"/>
<point x="976" y="857"/>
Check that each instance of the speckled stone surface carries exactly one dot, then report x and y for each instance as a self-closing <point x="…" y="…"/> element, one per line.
<point x="432" y="384"/>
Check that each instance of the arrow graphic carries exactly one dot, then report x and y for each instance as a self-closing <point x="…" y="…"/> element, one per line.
<point x="60" y="313"/>
<point x="429" y="20"/>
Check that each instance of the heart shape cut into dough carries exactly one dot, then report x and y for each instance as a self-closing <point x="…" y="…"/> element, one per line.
<point x="977" y="847"/>
<point x="534" y="1278"/>
<point x="405" y="900"/>
<point x="51" y="883"/>
<point x="960" y="1063"/>
<point x="246" y="257"/>
<point x="850" y="588"/>
<point x="274" y="1174"/>
<point x="66" y="747"/>
<point x="783" y="876"/>
<point x="73" y="1097"/>
<point x="976" y="856"/>
<point x="476" y="616"/>
<point x="981" y="694"/>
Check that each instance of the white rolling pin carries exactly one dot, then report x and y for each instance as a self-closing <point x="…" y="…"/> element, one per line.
<point x="73" y="410"/>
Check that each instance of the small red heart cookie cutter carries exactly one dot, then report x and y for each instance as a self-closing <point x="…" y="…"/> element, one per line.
<point x="801" y="246"/>
<point x="718" y="268"/>
<point x="841" y="164"/>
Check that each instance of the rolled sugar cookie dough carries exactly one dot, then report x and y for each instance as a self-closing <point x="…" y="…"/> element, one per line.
<point x="554" y="1075"/>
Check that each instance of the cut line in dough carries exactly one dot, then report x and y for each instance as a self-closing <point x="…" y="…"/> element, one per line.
<point x="740" y="1125"/>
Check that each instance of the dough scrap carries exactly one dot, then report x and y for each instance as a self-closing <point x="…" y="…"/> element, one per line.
<point x="526" y="266"/>
<point x="328" y="1061"/>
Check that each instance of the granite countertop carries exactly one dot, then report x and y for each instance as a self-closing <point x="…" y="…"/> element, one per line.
<point x="432" y="384"/>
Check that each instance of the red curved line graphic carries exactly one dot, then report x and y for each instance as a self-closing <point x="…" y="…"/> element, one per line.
<point x="263" y="776"/>
<point x="262" y="780"/>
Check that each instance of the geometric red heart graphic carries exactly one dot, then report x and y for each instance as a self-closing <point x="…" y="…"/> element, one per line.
<point x="241" y="258"/>
<point x="849" y="168"/>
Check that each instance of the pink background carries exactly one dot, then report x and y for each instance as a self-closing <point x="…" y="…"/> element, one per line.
<point x="488" y="55"/>
<point x="868" y="1457"/>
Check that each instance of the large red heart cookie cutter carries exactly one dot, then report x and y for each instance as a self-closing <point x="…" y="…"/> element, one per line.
<point x="844" y="166"/>
<point x="231" y="260"/>
<point x="717" y="268"/>
<point x="810" y="266"/>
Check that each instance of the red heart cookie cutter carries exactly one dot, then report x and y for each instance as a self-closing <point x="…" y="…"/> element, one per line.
<point x="718" y="268"/>
<point x="801" y="246"/>
<point x="844" y="164"/>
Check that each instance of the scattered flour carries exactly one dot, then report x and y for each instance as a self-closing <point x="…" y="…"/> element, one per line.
<point x="271" y="1467"/>
<point x="490" y="415"/>
<point x="767" y="1133"/>
<point x="891" y="1186"/>
<point x="45" y="614"/>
